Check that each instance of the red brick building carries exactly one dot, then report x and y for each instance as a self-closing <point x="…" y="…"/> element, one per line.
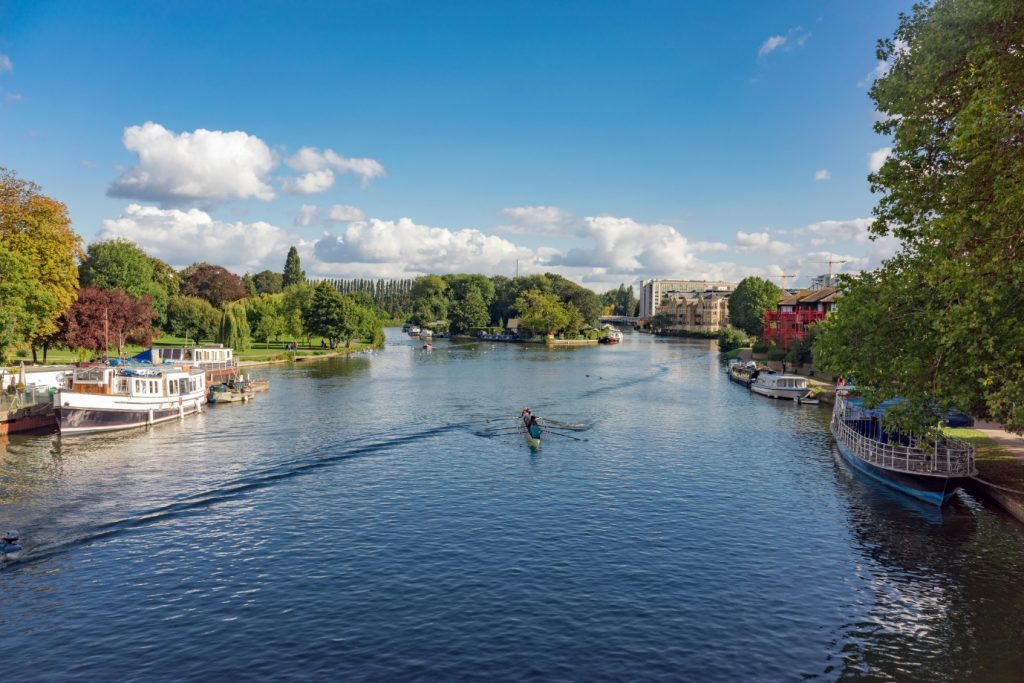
<point x="794" y="313"/>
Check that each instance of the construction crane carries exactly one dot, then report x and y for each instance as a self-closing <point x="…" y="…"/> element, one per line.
<point x="831" y="261"/>
<point x="782" y="279"/>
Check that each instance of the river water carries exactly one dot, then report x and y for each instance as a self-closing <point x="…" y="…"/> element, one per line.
<point x="363" y="521"/>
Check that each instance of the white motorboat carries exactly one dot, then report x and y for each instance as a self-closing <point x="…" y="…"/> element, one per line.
<point x="774" y="385"/>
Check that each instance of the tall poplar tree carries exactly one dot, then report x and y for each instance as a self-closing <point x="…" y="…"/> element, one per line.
<point x="293" y="273"/>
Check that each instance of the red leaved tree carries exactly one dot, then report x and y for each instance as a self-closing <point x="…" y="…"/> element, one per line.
<point x="216" y="284"/>
<point x="108" y="316"/>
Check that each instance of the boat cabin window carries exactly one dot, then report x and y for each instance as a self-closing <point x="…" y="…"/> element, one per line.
<point x="122" y="386"/>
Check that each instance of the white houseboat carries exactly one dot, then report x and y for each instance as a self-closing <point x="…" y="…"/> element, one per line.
<point x="773" y="385"/>
<point x="107" y="397"/>
<point x="216" y="359"/>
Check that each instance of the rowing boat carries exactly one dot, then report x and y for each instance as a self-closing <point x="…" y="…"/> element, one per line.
<point x="533" y="441"/>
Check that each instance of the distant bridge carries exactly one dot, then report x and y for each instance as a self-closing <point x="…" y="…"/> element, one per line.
<point x="619" y="319"/>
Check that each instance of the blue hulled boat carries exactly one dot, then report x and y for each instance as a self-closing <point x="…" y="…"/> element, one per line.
<point x="929" y="471"/>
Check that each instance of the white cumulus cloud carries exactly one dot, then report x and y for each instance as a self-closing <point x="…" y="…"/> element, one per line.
<point x="877" y="158"/>
<point x="306" y="214"/>
<point x="310" y="183"/>
<point x="183" y="237"/>
<point x="408" y="247"/>
<point x="823" y="175"/>
<point x="534" y="220"/>
<point x="204" y="165"/>
<point x="761" y="242"/>
<point x="624" y="245"/>
<point x="336" y="213"/>
<point x="309" y="159"/>
<point x="343" y="213"/>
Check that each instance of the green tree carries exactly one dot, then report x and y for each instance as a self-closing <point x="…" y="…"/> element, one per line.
<point x="120" y="264"/>
<point x="730" y="338"/>
<point x="296" y="300"/>
<point x="293" y="273"/>
<point x="265" y="314"/>
<point x="942" y="320"/>
<point x="23" y="301"/>
<point x="429" y="299"/>
<point x="249" y="284"/>
<point x="660" y="321"/>
<point x="326" y="313"/>
<point x="234" y="326"/>
<point x="747" y="305"/>
<point x="192" y="317"/>
<point x="542" y="313"/>
<point x="268" y="282"/>
<point x="38" y="228"/>
<point x="340" y="318"/>
<point x="469" y="312"/>
<point x="166" y="277"/>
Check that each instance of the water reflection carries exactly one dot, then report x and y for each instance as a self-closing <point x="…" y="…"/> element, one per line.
<point x="922" y="572"/>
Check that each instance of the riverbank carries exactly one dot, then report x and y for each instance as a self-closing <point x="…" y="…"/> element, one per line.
<point x="296" y="357"/>
<point x="999" y="457"/>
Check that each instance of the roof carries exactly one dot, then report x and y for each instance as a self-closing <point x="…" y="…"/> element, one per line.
<point x="820" y="295"/>
<point x="793" y="299"/>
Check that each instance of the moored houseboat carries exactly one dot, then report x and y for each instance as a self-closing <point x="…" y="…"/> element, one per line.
<point x="774" y="385"/>
<point x="216" y="359"/>
<point x="611" y="335"/>
<point x="107" y="397"/>
<point x="929" y="471"/>
<point x="741" y="372"/>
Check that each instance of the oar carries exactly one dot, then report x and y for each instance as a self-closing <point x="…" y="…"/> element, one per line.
<point x="564" y="436"/>
<point x="553" y="430"/>
<point x="564" y="425"/>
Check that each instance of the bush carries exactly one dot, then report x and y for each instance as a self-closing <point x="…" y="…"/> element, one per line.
<point x="763" y="347"/>
<point x="777" y="354"/>
<point x="730" y="338"/>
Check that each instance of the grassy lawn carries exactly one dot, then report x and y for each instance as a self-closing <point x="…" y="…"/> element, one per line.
<point x="275" y="350"/>
<point x="994" y="463"/>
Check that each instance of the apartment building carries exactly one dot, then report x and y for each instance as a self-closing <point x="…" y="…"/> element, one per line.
<point x="654" y="292"/>
<point x="789" y="322"/>
<point x="706" y="311"/>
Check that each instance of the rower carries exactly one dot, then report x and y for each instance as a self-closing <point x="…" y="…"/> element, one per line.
<point x="534" y="427"/>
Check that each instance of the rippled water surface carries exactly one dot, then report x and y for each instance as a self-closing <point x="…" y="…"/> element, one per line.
<point x="362" y="522"/>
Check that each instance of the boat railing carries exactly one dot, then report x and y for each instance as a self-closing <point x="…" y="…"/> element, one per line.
<point x="32" y="395"/>
<point x="948" y="457"/>
<point x="217" y="365"/>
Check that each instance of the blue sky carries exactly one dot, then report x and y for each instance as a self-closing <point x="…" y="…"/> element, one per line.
<point x="608" y="141"/>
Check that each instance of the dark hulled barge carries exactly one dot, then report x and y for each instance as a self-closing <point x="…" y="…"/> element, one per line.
<point x="929" y="471"/>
